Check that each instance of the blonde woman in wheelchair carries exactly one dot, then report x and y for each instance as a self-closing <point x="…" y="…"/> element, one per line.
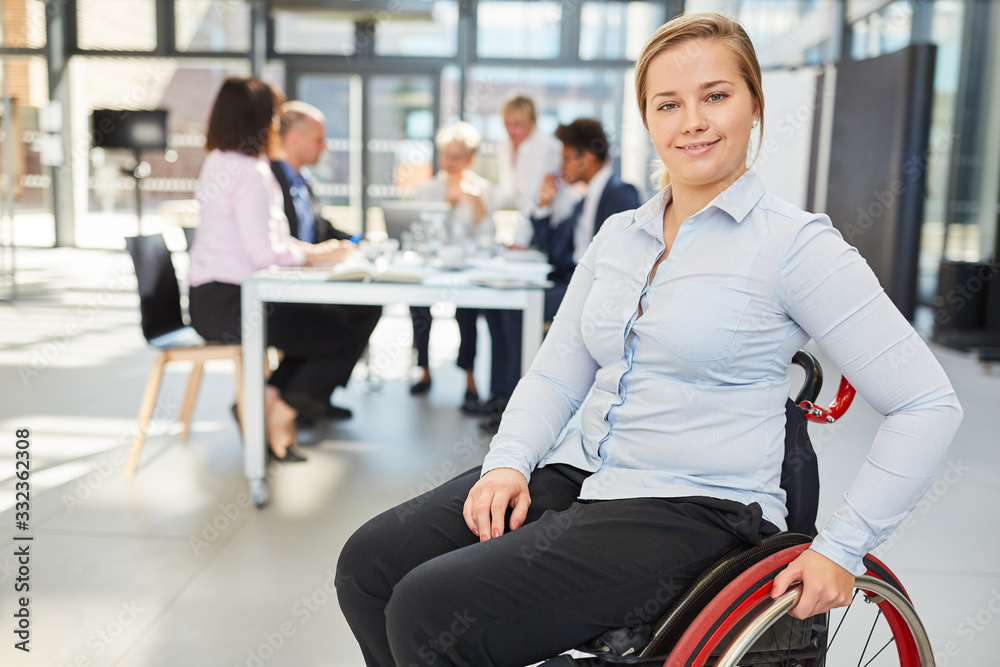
<point x="673" y="343"/>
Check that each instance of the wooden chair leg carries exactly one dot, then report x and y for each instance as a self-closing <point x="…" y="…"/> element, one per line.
<point x="190" y="398"/>
<point x="146" y="410"/>
<point x="238" y="380"/>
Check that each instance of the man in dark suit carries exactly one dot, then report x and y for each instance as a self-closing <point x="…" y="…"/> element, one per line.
<point x="303" y="140"/>
<point x="564" y="223"/>
<point x="565" y="235"/>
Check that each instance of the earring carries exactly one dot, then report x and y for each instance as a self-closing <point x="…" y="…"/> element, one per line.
<point x="754" y="124"/>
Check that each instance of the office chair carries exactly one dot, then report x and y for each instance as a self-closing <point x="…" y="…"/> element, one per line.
<point x="164" y="329"/>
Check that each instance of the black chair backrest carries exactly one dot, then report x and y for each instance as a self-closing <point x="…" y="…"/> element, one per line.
<point x="799" y="473"/>
<point x="159" y="295"/>
<point x="800" y="469"/>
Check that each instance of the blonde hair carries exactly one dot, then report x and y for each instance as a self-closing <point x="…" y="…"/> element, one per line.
<point x="458" y="133"/>
<point x="686" y="29"/>
<point x="518" y="102"/>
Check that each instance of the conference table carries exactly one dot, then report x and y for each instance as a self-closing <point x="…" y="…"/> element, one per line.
<point x="514" y="281"/>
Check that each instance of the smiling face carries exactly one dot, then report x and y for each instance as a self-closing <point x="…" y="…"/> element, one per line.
<point x="700" y="113"/>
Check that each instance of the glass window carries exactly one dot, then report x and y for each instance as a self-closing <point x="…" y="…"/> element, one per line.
<point x="212" y="25"/>
<point x="451" y="81"/>
<point x="26" y="81"/>
<point x="331" y="94"/>
<point x="400" y="146"/>
<point x="883" y="31"/>
<point x="616" y="30"/>
<point x="186" y="89"/>
<point x="861" y="40"/>
<point x="560" y="96"/>
<point x="895" y="23"/>
<point x="946" y="33"/>
<point x="519" y="29"/>
<point x="313" y="32"/>
<point x="435" y="38"/>
<point x="22" y="24"/>
<point x="116" y="25"/>
<point x="786" y="33"/>
<point x="858" y="9"/>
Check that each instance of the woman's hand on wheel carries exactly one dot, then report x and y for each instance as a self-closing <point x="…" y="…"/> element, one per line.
<point x="825" y="585"/>
<point x="488" y="500"/>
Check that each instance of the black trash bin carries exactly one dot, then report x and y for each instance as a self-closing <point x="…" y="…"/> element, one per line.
<point x="961" y="303"/>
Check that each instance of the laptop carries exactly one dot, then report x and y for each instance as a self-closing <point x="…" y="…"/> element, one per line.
<point x="400" y="214"/>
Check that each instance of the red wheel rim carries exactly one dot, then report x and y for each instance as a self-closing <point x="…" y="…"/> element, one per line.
<point x="747" y="595"/>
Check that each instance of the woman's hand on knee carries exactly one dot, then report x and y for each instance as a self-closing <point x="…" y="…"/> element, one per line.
<point x="488" y="500"/>
<point x="825" y="585"/>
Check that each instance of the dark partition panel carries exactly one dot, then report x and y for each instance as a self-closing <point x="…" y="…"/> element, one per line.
<point x="878" y="162"/>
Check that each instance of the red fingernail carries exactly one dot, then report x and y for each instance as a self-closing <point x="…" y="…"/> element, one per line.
<point x="496" y="532"/>
<point x="475" y="531"/>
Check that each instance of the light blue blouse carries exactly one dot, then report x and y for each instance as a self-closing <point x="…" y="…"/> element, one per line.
<point x="688" y="399"/>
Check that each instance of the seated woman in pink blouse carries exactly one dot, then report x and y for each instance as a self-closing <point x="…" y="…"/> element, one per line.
<point x="243" y="229"/>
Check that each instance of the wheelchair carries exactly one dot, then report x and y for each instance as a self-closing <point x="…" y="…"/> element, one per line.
<point x="726" y="617"/>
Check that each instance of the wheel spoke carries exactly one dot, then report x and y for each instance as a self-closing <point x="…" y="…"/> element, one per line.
<point x="830" y="643"/>
<point x="788" y="654"/>
<point x="777" y="645"/>
<point x="774" y="639"/>
<point x="891" y="640"/>
<point x="870" y="633"/>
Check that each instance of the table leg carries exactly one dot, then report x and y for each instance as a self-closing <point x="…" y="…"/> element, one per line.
<point x="531" y="327"/>
<point x="254" y="338"/>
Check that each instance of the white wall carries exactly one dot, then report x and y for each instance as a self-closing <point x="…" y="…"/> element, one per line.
<point x="790" y="105"/>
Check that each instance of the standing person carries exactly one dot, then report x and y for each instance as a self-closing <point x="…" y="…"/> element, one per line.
<point x="303" y="140"/>
<point x="525" y="158"/>
<point x="243" y="229"/>
<point x="469" y="220"/>
<point x="584" y="162"/>
<point x="674" y="341"/>
<point x="563" y="231"/>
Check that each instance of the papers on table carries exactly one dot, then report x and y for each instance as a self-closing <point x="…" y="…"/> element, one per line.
<point x="497" y="272"/>
<point x="373" y="273"/>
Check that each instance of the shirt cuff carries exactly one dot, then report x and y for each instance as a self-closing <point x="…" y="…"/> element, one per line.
<point x="493" y="463"/>
<point x="829" y="544"/>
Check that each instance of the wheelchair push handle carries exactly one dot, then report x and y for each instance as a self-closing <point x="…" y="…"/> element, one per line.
<point x="806" y="398"/>
<point x="836" y="409"/>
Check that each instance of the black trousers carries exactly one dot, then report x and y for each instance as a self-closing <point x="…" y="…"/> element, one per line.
<point x="505" y="334"/>
<point x="468" y="336"/>
<point x="322" y="342"/>
<point x="418" y="588"/>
